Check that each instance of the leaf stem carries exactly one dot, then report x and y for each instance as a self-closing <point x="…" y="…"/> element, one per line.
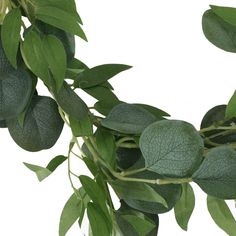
<point x="132" y="172"/>
<point x="124" y="139"/>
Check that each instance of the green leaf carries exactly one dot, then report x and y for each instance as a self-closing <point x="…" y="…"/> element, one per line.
<point x="97" y="220"/>
<point x="68" y="40"/>
<point x="5" y="65"/>
<point x="15" y="90"/>
<point x="137" y="191"/>
<point x="32" y="52"/>
<point x="101" y="93"/>
<point x="170" y="192"/>
<point x="128" y="119"/>
<point x="10" y="34"/>
<point x="98" y="75"/>
<point x="96" y="193"/>
<point x="104" y="107"/>
<point x="60" y="19"/>
<point x="184" y="207"/>
<point x="71" y="211"/>
<point x="231" y="107"/>
<point x="71" y="103"/>
<point x="213" y="116"/>
<point x="106" y="145"/>
<point x="126" y="157"/>
<point x="219" y="32"/>
<point x="42" y="126"/>
<point x="216" y="175"/>
<point x="127" y="228"/>
<point x="81" y="128"/>
<point x="172" y="148"/>
<point x="228" y="14"/>
<point x="141" y="226"/>
<point x="55" y="162"/>
<point x="154" y="110"/>
<point x="3" y="124"/>
<point x="55" y="56"/>
<point x="222" y="215"/>
<point x="68" y="6"/>
<point x="41" y="172"/>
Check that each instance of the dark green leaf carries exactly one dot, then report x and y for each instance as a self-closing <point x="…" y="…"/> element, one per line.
<point x="141" y="226"/>
<point x="68" y="40"/>
<point x="3" y="124"/>
<point x="137" y="191"/>
<point x="55" y="162"/>
<point x="98" y="75"/>
<point x="91" y="165"/>
<point x="219" y="32"/>
<point x="184" y="207"/>
<point x="96" y="193"/>
<point x="104" y="107"/>
<point x="228" y="14"/>
<point x="98" y="220"/>
<point x="55" y="56"/>
<point x="15" y="90"/>
<point x="81" y="128"/>
<point x="231" y="107"/>
<point x="106" y="145"/>
<point x="129" y="119"/>
<point x="41" y="172"/>
<point x="127" y="228"/>
<point x="71" y="103"/>
<point x="171" y="193"/>
<point x="71" y="211"/>
<point x="213" y="116"/>
<point x="102" y="93"/>
<point x="155" y="111"/>
<point x="42" y="126"/>
<point x="10" y="34"/>
<point x="172" y="148"/>
<point x="222" y="215"/>
<point x="60" y="19"/>
<point x="216" y="175"/>
<point x="68" y="6"/>
<point x="126" y="157"/>
<point x="32" y="52"/>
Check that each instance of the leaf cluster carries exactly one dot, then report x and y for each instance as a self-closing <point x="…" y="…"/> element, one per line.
<point x="147" y="158"/>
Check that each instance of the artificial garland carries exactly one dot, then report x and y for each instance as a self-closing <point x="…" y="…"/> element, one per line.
<point x="147" y="158"/>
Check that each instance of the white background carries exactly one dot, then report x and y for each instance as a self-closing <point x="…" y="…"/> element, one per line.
<point x="174" y="68"/>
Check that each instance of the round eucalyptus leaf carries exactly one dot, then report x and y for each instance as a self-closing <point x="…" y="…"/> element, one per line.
<point x="213" y="116"/>
<point x="42" y="126"/>
<point x="216" y="175"/>
<point x="3" y="124"/>
<point x="172" y="148"/>
<point x="171" y="193"/>
<point x="15" y="90"/>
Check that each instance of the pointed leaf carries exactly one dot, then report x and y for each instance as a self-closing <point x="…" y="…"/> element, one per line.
<point x="55" y="162"/>
<point x="55" y="56"/>
<point x="231" y="107"/>
<point x="98" y="75"/>
<point x="184" y="207"/>
<point x="221" y="214"/>
<point x="137" y="191"/>
<point x="128" y="119"/>
<point x="32" y="52"/>
<point x="41" y="172"/>
<point x="60" y="19"/>
<point x="10" y="34"/>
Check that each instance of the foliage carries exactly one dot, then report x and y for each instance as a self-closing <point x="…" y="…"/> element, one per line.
<point x="149" y="159"/>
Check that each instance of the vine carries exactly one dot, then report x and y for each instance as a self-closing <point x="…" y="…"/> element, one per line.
<point x="148" y="159"/>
